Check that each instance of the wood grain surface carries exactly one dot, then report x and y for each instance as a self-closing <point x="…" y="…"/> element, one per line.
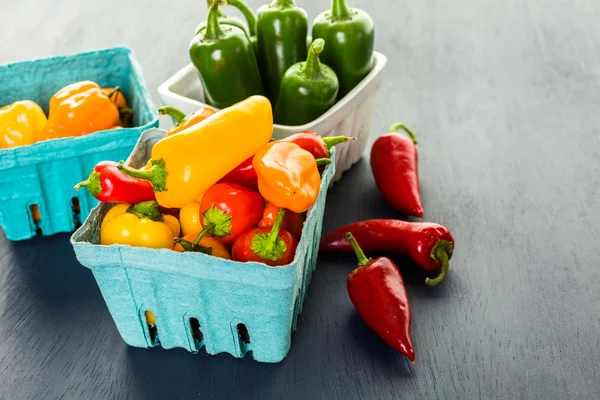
<point x="505" y="98"/>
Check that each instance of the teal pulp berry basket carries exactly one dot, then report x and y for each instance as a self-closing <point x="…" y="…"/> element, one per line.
<point x="200" y="300"/>
<point x="43" y="174"/>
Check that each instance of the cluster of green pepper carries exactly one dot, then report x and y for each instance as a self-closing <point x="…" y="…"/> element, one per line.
<point x="271" y="55"/>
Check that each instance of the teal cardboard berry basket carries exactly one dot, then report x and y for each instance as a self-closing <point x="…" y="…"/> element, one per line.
<point x="200" y="300"/>
<point x="43" y="174"/>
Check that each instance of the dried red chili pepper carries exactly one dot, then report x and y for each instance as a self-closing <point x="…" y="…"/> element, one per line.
<point x="429" y="245"/>
<point x="274" y="246"/>
<point x="243" y="174"/>
<point x="376" y="289"/>
<point x="394" y="162"/>
<point x="110" y="185"/>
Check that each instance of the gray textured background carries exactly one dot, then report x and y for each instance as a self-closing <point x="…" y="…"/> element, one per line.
<point x="504" y="95"/>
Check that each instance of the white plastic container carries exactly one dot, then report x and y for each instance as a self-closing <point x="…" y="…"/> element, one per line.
<point x="351" y="116"/>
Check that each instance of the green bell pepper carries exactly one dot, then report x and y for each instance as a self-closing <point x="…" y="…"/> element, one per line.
<point x="281" y="32"/>
<point x="225" y="62"/>
<point x="308" y="89"/>
<point x="350" y="36"/>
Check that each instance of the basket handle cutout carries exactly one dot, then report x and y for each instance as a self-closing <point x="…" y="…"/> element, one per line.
<point x="36" y="217"/>
<point x="152" y="327"/>
<point x="76" y="212"/>
<point x="196" y="332"/>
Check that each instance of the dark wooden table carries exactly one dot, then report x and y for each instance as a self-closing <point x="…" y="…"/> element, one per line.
<point x="505" y="98"/>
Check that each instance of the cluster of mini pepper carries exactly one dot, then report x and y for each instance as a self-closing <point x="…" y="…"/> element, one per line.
<point x="77" y="109"/>
<point x="244" y="198"/>
<point x="270" y="54"/>
<point x="376" y="288"/>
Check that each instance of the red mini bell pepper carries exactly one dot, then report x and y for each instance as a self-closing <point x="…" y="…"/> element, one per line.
<point x="244" y="175"/>
<point x="429" y="245"/>
<point x="394" y="162"/>
<point x="376" y="289"/>
<point x="232" y="208"/>
<point x="274" y="246"/>
<point x="110" y="185"/>
<point x="292" y="222"/>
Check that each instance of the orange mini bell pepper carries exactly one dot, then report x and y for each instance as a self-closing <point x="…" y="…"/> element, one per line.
<point x="202" y="242"/>
<point x="288" y="175"/>
<point x="79" y="109"/>
<point x="188" y="163"/>
<point x="21" y="124"/>
<point x="182" y="121"/>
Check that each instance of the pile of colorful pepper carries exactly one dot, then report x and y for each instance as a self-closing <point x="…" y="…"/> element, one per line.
<point x="244" y="198"/>
<point x="376" y="287"/>
<point x="270" y="54"/>
<point x="78" y="109"/>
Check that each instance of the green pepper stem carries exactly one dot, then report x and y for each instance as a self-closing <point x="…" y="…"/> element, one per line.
<point x="399" y="125"/>
<point x="335" y="140"/>
<point x="219" y="11"/>
<point x="442" y="251"/>
<point x="312" y="66"/>
<point x="362" y="258"/>
<point x="146" y="209"/>
<point x="213" y="27"/>
<point x="274" y="235"/>
<point x="157" y="174"/>
<point x="323" y="161"/>
<point x="247" y="13"/>
<point x="174" y="113"/>
<point x="92" y="183"/>
<point x="115" y="90"/>
<point x="283" y="3"/>
<point x="209" y="227"/>
<point x="339" y="10"/>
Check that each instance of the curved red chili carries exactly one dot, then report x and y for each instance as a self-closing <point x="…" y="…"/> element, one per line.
<point x="394" y="162"/>
<point x="429" y="245"/>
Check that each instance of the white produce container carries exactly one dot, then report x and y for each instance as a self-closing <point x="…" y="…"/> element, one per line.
<point x="350" y="116"/>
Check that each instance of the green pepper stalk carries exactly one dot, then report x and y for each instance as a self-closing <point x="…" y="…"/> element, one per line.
<point x="281" y="32"/>
<point x="224" y="20"/>
<point x="225" y="62"/>
<point x="308" y="89"/>
<point x="350" y="37"/>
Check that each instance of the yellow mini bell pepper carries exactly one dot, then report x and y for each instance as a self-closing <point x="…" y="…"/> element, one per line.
<point x="21" y="124"/>
<point x="140" y="225"/>
<point x="186" y="164"/>
<point x="189" y="218"/>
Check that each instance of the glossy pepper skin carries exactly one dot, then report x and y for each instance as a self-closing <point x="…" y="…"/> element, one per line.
<point x="244" y="174"/>
<point x="190" y="219"/>
<point x="80" y="109"/>
<point x="316" y="145"/>
<point x="21" y="124"/>
<point x="202" y="242"/>
<point x="225" y="62"/>
<point x="140" y="225"/>
<point x="292" y="222"/>
<point x="109" y="185"/>
<point x="185" y="165"/>
<point x="224" y="20"/>
<point x="429" y="245"/>
<point x="377" y="291"/>
<point x="272" y="246"/>
<point x="395" y="162"/>
<point x="308" y="89"/>
<point x="182" y="121"/>
<point x="288" y="175"/>
<point x="281" y="32"/>
<point x="232" y="209"/>
<point x="350" y="36"/>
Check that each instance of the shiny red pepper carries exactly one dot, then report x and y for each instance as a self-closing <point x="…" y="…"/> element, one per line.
<point x="292" y="222"/>
<point x="110" y="185"/>
<point x="232" y="208"/>
<point x="394" y="162"/>
<point x="376" y="289"/>
<point x="274" y="247"/>
<point x="429" y="245"/>
<point x="244" y="175"/>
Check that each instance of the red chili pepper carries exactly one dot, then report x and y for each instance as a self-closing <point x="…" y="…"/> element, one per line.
<point x="316" y="145"/>
<point x="376" y="289"/>
<point x="108" y="184"/>
<point x="244" y="175"/>
<point x="274" y="246"/>
<point x="292" y="222"/>
<point x="394" y="162"/>
<point x="429" y="245"/>
<point x="232" y="208"/>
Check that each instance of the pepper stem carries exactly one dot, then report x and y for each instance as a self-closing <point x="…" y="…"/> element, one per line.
<point x="276" y="228"/>
<point x="441" y="252"/>
<point x="335" y="140"/>
<point x="115" y="90"/>
<point x="157" y="174"/>
<point x="146" y="209"/>
<point x="362" y="258"/>
<point x="272" y="246"/>
<point x="399" y="125"/>
<point x="247" y="13"/>
<point x="92" y="183"/>
<point x="323" y="161"/>
<point x="188" y="246"/>
<point x="213" y="27"/>
<point x="203" y="232"/>
<point x="283" y="3"/>
<point x="174" y="113"/>
<point x="339" y="10"/>
<point x="312" y="66"/>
